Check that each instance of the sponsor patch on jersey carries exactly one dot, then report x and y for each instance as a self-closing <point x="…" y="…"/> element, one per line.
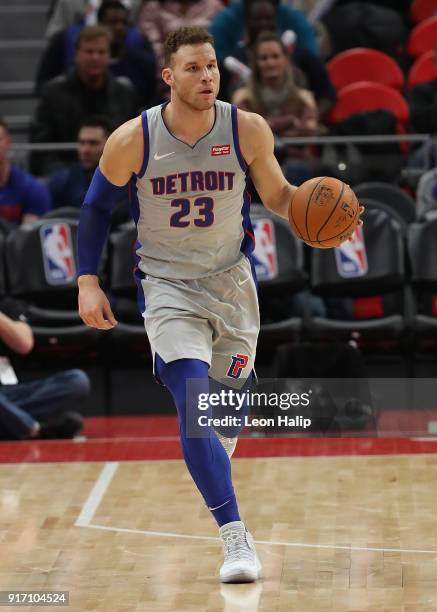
<point x="351" y="256"/>
<point x="265" y="259"/>
<point x="221" y="150"/>
<point x="57" y="250"/>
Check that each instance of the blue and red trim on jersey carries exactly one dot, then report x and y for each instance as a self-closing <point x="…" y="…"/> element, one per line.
<point x="145" y="126"/>
<point x="135" y="211"/>
<point x="138" y="277"/>
<point x="236" y="138"/>
<point x="137" y="272"/>
<point x="248" y="243"/>
<point x="133" y="199"/>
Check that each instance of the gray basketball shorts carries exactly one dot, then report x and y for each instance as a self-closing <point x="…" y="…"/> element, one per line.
<point x="214" y="319"/>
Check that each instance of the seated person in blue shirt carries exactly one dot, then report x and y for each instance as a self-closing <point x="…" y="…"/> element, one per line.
<point x="69" y="185"/>
<point x="22" y="197"/>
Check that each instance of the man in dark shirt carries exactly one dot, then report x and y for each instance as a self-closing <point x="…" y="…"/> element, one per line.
<point x="22" y="198"/>
<point x="87" y="89"/>
<point x="69" y="185"/>
<point x="132" y="55"/>
<point x="36" y="409"/>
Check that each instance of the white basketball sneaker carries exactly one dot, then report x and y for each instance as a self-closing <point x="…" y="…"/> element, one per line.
<point x="241" y="563"/>
<point x="228" y="444"/>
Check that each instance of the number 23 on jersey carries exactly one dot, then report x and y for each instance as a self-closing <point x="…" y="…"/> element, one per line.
<point x="198" y="212"/>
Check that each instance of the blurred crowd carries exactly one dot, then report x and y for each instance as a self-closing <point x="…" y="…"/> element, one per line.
<point x="102" y="62"/>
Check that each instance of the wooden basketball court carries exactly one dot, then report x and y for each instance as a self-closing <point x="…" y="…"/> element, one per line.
<point x="341" y="525"/>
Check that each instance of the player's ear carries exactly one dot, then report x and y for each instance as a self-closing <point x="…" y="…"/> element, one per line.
<point x="167" y="76"/>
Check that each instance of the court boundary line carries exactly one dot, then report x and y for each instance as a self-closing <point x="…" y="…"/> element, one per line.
<point x="169" y="534"/>
<point x="234" y="459"/>
<point x="96" y="494"/>
<point x="108" y="472"/>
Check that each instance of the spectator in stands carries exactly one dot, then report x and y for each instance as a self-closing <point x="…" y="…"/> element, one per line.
<point x="69" y="185"/>
<point x="83" y="12"/>
<point x="22" y="198"/>
<point x="272" y="92"/>
<point x="366" y="24"/>
<point x="228" y="27"/>
<point x="35" y="409"/>
<point x="87" y="89"/>
<point x="131" y="53"/>
<point x="423" y="106"/>
<point x="308" y="69"/>
<point x="158" y="18"/>
<point x="315" y="11"/>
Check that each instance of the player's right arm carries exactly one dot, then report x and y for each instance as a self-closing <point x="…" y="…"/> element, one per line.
<point x="122" y="156"/>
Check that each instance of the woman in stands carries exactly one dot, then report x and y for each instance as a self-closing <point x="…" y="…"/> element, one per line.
<point x="288" y="109"/>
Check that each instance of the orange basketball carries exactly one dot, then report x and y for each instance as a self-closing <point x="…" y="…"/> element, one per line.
<point x="324" y="212"/>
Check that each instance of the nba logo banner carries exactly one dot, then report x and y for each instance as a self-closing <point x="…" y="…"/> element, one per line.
<point x="264" y="256"/>
<point x="351" y="256"/>
<point x="57" y="251"/>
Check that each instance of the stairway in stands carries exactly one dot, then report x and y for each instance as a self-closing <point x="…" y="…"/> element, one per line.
<point x="22" y="28"/>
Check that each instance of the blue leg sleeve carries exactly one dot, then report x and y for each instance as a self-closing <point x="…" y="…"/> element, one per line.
<point x="232" y="430"/>
<point x="205" y="457"/>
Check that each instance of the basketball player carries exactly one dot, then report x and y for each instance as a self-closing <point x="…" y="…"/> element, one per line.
<point x="186" y="163"/>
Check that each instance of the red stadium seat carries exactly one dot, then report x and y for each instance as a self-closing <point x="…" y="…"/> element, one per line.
<point x="363" y="64"/>
<point x="423" y="70"/>
<point x="367" y="96"/>
<point x="422" y="9"/>
<point x="423" y="37"/>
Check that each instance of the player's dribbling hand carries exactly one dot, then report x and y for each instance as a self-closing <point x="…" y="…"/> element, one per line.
<point x="360" y="221"/>
<point x="94" y="308"/>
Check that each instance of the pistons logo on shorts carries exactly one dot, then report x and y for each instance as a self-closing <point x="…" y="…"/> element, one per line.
<point x="238" y="363"/>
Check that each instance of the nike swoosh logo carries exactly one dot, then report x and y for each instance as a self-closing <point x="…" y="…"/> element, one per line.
<point x="241" y="282"/>
<point x="217" y="507"/>
<point x="158" y="157"/>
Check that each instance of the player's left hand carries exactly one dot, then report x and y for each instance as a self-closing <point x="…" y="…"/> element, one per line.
<point x="360" y="222"/>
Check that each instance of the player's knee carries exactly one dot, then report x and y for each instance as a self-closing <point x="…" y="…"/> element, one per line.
<point x="197" y="451"/>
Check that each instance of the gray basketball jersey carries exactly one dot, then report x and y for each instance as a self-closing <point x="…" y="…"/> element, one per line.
<point x="190" y="204"/>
